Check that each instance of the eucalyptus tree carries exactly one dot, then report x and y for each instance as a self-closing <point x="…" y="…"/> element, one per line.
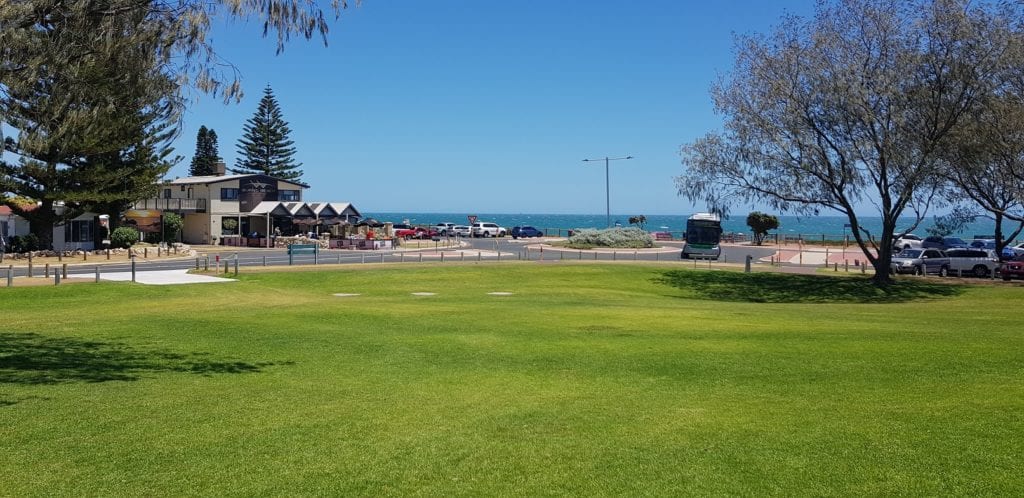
<point x="847" y="111"/>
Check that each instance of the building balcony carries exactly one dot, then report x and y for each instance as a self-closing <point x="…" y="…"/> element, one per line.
<point x="177" y="205"/>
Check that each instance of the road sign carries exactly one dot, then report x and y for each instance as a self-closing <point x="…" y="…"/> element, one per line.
<point x="471" y="218"/>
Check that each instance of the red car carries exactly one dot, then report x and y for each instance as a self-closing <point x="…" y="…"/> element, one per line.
<point x="425" y="233"/>
<point x="406" y="233"/>
<point x="1013" y="268"/>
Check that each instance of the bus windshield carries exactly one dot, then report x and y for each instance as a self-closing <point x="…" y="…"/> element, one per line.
<point x="700" y="233"/>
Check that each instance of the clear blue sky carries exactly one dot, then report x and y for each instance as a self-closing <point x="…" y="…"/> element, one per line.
<point x="473" y="106"/>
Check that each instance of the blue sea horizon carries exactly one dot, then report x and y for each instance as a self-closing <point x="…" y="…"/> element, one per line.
<point x="805" y="226"/>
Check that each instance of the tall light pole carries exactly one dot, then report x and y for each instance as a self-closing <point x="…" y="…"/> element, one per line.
<point x="607" y="189"/>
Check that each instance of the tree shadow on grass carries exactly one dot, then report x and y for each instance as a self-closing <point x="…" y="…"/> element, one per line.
<point x="788" y="288"/>
<point x="33" y="359"/>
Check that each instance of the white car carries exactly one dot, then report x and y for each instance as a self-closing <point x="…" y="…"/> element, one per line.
<point x="907" y="241"/>
<point x="484" y="229"/>
<point x="462" y="231"/>
<point x="444" y="228"/>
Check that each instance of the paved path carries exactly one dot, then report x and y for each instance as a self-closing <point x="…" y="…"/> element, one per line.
<point x="164" y="277"/>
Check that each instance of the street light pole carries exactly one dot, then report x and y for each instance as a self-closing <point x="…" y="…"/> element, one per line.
<point x="607" y="188"/>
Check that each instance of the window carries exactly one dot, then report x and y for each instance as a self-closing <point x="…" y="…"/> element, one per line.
<point x="78" y="231"/>
<point x="167" y="193"/>
<point x="288" y="195"/>
<point x="229" y="194"/>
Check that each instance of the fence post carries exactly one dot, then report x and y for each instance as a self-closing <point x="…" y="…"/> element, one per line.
<point x="97" y="274"/>
<point x="46" y="270"/>
<point x="236" y="267"/>
<point x="145" y="253"/>
<point x="499" y="255"/>
<point x="206" y="265"/>
<point x="264" y="261"/>
<point x="420" y="258"/>
<point x="10" y="275"/>
<point x="56" y="278"/>
<point x="615" y="255"/>
<point x="133" y="267"/>
<point x="746" y="266"/>
<point x="64" y="270"/>
<point x="479" y="255"/>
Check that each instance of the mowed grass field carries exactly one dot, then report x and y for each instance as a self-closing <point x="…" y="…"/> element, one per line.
<point x="590" y="379"/>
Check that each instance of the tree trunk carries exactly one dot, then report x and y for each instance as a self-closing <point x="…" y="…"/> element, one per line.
<point x="41" y="221"/>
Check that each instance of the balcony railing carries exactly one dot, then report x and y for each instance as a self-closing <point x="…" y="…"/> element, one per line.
<point x="183" y="205"/>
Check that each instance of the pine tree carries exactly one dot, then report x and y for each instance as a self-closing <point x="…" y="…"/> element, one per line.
<point x="204" y="162"/>
<point x="265" y="147"/>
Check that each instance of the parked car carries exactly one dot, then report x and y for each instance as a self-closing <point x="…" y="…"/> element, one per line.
<point x="461" y="231"/>
<point x="1013" y="268"/>
<point x="920" y="261"/>
<point x="443" y="228"/>
<point x="526" y="232"/>
<point x="484" y="229"/>
<point x="977" y="262"/>
<point x="907" y="241"/>
<point x="943" y="243"/>
<point x="989" y="244"/>
<point x="405" y="233"/>
<point x="1015" y="250"/>
<point x="425" y="233"/>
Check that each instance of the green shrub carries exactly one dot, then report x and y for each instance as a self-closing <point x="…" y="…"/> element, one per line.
<point x="631" y="238"/>
<point x="172" y="226"/>
<point x="24" y="243"/>
<point x="124" y="237"/>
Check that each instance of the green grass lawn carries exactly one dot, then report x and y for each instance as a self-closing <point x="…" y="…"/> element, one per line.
<point x="591" y="379"/>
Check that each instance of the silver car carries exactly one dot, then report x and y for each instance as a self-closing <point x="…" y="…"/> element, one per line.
<point x="920" y="261"/>
<point x="977" y="262"/>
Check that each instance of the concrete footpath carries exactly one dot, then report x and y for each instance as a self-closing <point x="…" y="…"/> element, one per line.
<point x="163" y="277"/>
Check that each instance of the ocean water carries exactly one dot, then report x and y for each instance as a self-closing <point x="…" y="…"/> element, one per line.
<point x="806" y="226"/>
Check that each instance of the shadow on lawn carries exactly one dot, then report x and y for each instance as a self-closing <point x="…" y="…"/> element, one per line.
<point x="787" y="288"/>
<point x="28" y="358"/>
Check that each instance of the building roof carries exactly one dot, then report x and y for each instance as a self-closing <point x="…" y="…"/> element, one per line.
<point x="5" y="211"/>
<point x="341" y="207"/>
<point x="207" y="180"/>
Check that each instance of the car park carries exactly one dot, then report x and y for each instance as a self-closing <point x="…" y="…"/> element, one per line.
<point x="976" y="262"/>
<point x="1013" y="268"/>
<point x="484" y="229"/>
<point x="942" y="243"/>
<point x="526" y="232"/>
<point x="906" y="241"/>
<point x="920" y="261"/>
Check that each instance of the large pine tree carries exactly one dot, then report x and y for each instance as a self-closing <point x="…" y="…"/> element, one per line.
<point x="265" y="147"/>
<point x="204" y="162"/>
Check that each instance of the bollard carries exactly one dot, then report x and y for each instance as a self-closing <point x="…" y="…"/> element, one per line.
<point x="46" y="271"/>
<point x="158" y="251"/>
<point x="216" y="266"/>
<point x="580" y="255"/>
<point x="56" y="278"/>
<point x="10" y="275"/>
<point x="746" y="266"/>
<point x="634" y="255"/>
<point x="420" y="260"/>
<point x="846" y="265"/>
<point x="145" y="253"/>
<point x="401" y="258"/>
<point x="316" y="257"/>
<point x="236" y="267"/>
<point x="197" y="264"/>
<point x="85" y="255"/>
<point x="206" y="265"/>
<point x="561" y="256"/>
<point x="133" y="268"/>
<point x="499" y="255"/>
<point x="442" y="257"/>
<point x="615" y="256"/>
<point x="863" y="268"/>
<point x="97" y="274"/>
<point x="836" y="269"/>
<point x="479" y="255"/>
<point x="108" y="254"/>
<point x="339" y="258"/>
<point x="64" y="270"/>
<point x="362" y="258"/>
<point x="657" y="256"/>
<point x="264" y="261"/>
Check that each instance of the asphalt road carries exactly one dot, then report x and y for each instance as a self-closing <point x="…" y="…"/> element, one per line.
<point x="490" y="249"/>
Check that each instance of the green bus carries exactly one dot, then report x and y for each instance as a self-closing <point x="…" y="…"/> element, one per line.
<point x="703" y="235"/>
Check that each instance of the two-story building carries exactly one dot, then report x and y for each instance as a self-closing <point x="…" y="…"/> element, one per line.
<point x="228" y="207"/>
